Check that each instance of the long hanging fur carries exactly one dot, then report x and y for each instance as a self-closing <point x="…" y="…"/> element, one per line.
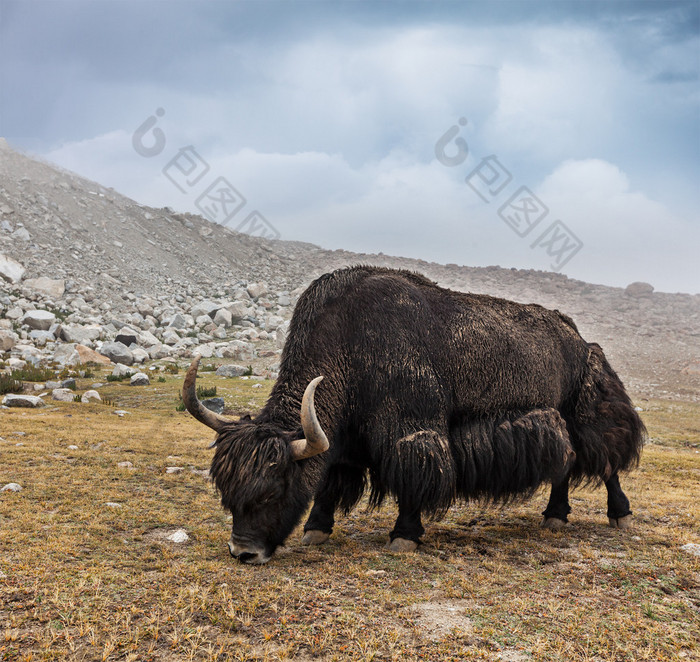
<point x="511" y="457"/>
<point x="495" y="458"/>
<point x="606" y="431"/>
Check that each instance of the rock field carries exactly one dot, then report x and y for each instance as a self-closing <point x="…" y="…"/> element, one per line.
<point x="87" y="274"/>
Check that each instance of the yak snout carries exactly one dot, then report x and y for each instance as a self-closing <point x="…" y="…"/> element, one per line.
<point x="248" y="552"/>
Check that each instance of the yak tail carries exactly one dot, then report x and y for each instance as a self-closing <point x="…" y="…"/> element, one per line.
<point x="606" y="431"/>
<point x="507" y="457"/>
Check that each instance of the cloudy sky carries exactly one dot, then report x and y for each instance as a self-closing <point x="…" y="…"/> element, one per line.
<point x="545" y="135"/>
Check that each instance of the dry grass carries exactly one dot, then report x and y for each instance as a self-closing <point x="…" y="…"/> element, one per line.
<point x="81" y="580"/>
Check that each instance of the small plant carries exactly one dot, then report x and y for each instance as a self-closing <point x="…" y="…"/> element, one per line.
<point x="31" y="373"/>
<point x="9" y="384"/>
<point x="89" y="374"/>
<point x="249" y="371"/>
<point x="161" y="379"/>
<point x="204" y="392"/>
<point x="76" y="398"/>
<point x="172" y="368"/>
<point x="210" y="367"/>
<point x="114" y="378"/>
<point x="180" y="406"/>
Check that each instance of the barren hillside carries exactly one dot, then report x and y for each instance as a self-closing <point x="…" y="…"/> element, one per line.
<point x="63" y="227"/>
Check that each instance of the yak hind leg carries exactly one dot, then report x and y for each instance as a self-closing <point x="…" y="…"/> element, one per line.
<point x="343" y="485"/>
<point x="557" y="510"/>
<point x="619" y="513"/>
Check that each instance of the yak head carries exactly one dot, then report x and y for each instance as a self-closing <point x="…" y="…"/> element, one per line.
<point x="258" y="468"/>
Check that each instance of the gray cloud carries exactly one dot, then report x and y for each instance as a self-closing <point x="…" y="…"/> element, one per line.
<point x="326" y="110"/>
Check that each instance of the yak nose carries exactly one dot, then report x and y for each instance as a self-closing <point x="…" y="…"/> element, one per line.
<point x="247" y="553"/>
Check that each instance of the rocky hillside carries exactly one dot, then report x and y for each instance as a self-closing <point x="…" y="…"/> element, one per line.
<point x="82" y="266"/>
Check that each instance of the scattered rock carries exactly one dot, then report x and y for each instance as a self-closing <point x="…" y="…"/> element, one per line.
<point x="256" y="290"/>
<point x="10" y="269"/>
<point x="121" y="370"/>
<point x="125" y="465"/>
<point x="90" y="396"/>
<point x="639" y="289"/>
<point x="214" y="404"/>
<point x="11" y="487"/>
<point x="231" y="370"/>
<point x="140" y="379"/>
<point x="87" y="355"/>
<point x="117" y="352"/>
<point x="173" y="470"/>
<point x="691" y="548"/>
<point x="63" y="395"/>
<point x="178" y="536"/>
<point x="48" y="286"/>
<point x="11" y="400"/>
<point x="8" y="339"/>
<point x="41" y="320"/>
<point x="113" y="504"/>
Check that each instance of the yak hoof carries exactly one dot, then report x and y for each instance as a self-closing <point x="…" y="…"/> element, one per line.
<point x="403" y="545"/>
<point x="553" y="523"/>
<point x="620" y="522"/>
<point x="314" y="537"/>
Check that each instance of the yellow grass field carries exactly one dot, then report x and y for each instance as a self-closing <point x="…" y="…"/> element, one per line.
<point x="83" y="580"/>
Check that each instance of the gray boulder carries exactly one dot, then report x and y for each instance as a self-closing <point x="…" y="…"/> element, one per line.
<point x="90" y="396"/>
<point x="63" y="395"/>
<point x="231" y="371"/>
<point x="256" y="290"/>
<point x="41" y="320"/>
<point x="66" y="355"/>
<point x="639" y="289"/>
<point x="204" y="308"/>
<point x="121" y="370"/>
<point x="33" y="401"/>
<point x="223" y="317"/>
<point x="8" y="339"/>
<point x="10" y="269"/>
<point x="126" y="336"/>
<point x="214" y="404"/>
<point x="52" y="288"/>
<point x="140" y="379"/>
<point x="117" y="352"/>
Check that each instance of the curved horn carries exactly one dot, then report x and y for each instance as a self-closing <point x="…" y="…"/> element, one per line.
<point x="315" y="440"/>
<point x="194" y="406"/>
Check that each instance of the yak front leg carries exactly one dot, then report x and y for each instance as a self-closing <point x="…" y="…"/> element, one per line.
<point x="407" y="532"/>
<point x="558" y="508"/>
<point x="344" y="485"/>
<point x="619" y="513"/>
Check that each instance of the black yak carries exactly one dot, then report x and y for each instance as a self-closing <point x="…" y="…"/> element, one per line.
<point x="428" y="395"/>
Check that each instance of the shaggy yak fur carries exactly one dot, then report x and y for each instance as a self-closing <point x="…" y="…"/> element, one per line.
<point x="429" y="396"/>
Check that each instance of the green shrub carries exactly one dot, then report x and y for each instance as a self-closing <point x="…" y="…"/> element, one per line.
<point x="8" y="384"/>
<point x="31" y="373"/>
<point x="203" y="392"/>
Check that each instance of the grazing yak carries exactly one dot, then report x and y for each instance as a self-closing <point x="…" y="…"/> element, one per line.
<point x="424" y="394"/>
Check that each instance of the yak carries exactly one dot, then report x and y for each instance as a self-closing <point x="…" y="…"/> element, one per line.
<point x="389" y="382"/>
